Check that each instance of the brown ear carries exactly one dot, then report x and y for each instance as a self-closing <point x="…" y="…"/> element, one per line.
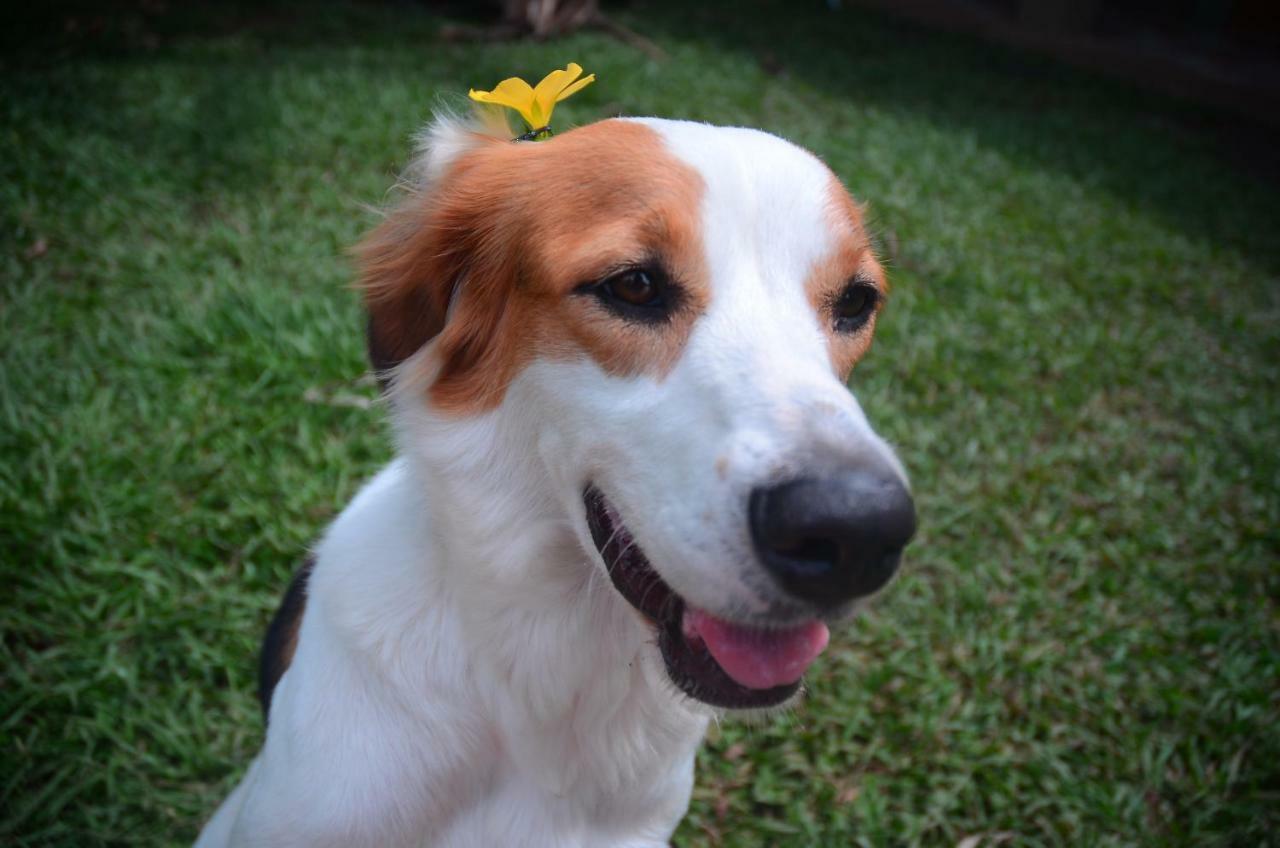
<point x="403" y="290"/>
<point x="410" y="264"/>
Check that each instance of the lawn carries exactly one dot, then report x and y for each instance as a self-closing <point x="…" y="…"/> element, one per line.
<point x="1080" y="364"/>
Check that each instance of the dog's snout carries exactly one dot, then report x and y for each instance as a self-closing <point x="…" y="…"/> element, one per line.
<point x="830" y="539"/>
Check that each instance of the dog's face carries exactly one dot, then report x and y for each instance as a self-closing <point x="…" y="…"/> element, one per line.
<point x="672" y="311"/>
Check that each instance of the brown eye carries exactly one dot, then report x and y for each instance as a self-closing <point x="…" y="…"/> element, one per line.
<point x="855" y="306"/>
<point x="634" y="287"/>
<point x="644" y="294"/>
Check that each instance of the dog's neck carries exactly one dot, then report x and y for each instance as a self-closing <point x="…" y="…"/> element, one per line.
<point x="566" y="664"/>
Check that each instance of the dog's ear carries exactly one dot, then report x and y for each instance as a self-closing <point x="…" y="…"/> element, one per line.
<point x="411" y="263"/>
<point x="405" y="296"/>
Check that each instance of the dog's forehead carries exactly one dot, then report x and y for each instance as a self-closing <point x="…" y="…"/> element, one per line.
<point x="765" y="200"/>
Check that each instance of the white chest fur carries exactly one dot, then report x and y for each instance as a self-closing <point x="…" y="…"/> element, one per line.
<point x="431" y="703"/>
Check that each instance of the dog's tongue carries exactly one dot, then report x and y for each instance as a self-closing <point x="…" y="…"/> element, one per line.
<point x="757" y="659"/>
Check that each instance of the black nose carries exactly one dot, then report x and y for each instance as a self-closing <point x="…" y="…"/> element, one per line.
<point x="831" y="539"/>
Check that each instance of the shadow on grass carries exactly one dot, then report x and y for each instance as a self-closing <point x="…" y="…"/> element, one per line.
<point x="1198" y="172"/>
<point x="1207" y="175"/>
<point x="222" y="64"/>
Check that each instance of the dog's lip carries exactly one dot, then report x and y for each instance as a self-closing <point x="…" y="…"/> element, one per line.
<point x="708" y="658"/>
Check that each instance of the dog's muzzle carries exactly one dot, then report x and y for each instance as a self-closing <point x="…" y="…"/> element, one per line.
<point x="825" y="541"/>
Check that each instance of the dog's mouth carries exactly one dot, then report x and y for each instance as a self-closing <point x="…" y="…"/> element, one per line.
<point x="712" y="660"/>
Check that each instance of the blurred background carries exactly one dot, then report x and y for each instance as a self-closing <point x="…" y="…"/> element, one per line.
<point x="1080" y="364"/>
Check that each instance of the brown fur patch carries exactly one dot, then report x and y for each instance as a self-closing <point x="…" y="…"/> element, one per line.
<point x="522" y="226"/>
<point x="852" y="257"/>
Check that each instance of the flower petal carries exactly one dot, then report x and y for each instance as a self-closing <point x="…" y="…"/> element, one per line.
<point x="514" y="93"/>
<point x="553" y="82"/>
<point x="544" y="95"/>
<point x="571" y="90"/>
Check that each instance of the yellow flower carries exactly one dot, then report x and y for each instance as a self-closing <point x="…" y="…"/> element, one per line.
<point x="535" y="105"/>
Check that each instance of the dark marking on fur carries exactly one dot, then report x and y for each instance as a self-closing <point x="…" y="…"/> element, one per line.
<point x="282" y="635"/>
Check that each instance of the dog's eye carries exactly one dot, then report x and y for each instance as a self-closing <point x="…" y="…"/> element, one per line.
<point x="639" y="294"/>
<point x="636" y="287"/>
<point x="855" y="305"/>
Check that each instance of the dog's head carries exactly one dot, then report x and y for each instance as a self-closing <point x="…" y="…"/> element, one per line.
<point x="668" y="312"/>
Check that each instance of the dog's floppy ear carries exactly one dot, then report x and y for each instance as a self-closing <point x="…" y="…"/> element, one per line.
<point x="404" y="294"/>
<point x="410" y="264"/>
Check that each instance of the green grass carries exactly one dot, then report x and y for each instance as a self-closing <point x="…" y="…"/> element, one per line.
<point x="1080" y="363"/>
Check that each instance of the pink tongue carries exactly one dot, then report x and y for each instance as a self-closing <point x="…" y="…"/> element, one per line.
<point x="758" y="659"/>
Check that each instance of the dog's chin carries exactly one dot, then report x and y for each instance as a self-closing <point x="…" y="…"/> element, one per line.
<point x="681" y="628"/>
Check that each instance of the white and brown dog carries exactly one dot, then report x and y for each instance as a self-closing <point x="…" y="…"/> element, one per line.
<point x="632" y="489"/>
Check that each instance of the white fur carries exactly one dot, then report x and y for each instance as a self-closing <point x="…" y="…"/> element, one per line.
<point x="466" y="674"/>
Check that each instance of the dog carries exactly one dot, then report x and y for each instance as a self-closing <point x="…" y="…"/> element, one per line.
<point x="632" y="490"/>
